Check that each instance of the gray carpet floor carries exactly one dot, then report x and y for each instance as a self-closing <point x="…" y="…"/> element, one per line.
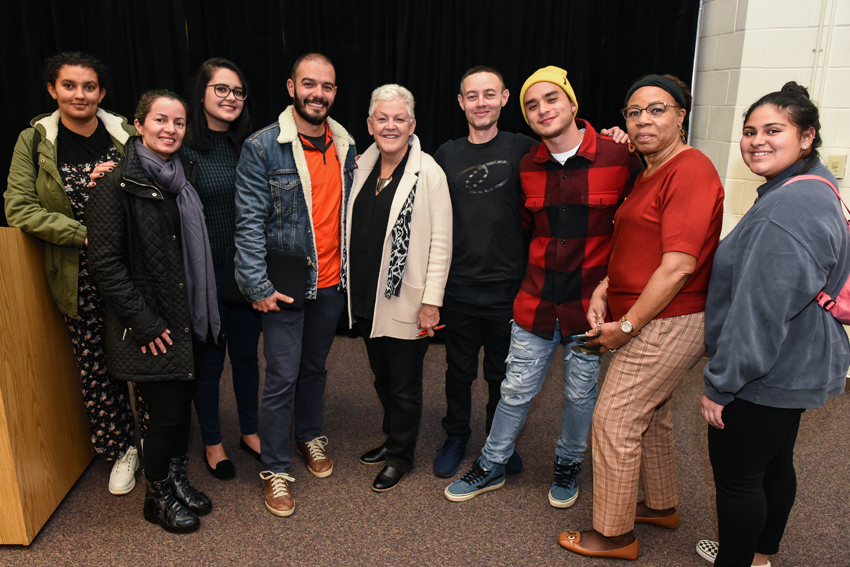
<point x="341" y="521"/>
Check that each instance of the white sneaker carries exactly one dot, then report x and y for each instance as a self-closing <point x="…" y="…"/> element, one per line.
<point x="123" y="477"/>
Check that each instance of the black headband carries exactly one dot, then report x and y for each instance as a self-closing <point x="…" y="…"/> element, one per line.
<point x="662" y="83"/>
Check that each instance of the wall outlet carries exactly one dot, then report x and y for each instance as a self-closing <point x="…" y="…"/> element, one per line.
<point x="836" y="165"/>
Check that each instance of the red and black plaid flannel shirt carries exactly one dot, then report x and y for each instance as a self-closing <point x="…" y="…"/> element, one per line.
<point x="571" y="208"/>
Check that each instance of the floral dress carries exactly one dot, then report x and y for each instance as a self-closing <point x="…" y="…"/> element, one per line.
<point x="107" y="400"/>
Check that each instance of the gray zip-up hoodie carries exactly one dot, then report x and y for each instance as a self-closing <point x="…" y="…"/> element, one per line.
<point x="768" y="340"/>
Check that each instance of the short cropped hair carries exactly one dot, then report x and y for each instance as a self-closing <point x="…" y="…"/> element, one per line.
<point x="481" y="69"/>
<point x="313" y="56"/>
<point x="392" y="92"/>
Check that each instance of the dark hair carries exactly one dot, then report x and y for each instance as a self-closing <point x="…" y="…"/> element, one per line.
<point x="196" y="130"/>
<point x="686" y="94"/>
<point x="481" y="69"/>
<point x="688" y="100"/>
<point x="75" y="59"/>
<point x="793" y="101"/>
<point x="313" y="56"/>
<point x="150" y="97"/>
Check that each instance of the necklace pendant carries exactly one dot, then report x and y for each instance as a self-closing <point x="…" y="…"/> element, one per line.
<point x="382" y="184"/>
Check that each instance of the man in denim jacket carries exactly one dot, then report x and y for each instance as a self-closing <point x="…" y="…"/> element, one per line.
<point x="292" y="187"/>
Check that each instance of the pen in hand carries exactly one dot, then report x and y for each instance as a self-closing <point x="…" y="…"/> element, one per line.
<point x="425" y="333"/>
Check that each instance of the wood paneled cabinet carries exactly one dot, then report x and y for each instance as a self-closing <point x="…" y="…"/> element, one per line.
<point x="44" y="434"/>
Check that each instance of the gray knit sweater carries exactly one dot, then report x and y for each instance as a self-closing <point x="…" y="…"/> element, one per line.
<point x="768" y="341"/>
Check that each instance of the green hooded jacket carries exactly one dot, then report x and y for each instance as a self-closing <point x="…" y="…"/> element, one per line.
<point x="37" y="204"/>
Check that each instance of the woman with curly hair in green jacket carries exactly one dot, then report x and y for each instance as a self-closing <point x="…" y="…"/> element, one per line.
<point x="46" y="197"/>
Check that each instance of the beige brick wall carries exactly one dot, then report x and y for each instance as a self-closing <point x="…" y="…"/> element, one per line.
<point x="748" y="48"/>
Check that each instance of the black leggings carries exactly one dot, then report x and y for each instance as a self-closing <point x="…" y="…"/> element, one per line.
<point x="170" y="409"/>
<point x="753" y="462"/>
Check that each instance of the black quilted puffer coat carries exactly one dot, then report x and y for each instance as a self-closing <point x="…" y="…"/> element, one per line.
<point x="137" y="266"/>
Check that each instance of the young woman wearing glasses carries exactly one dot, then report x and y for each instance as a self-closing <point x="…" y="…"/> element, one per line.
<point x="220" y="120"/>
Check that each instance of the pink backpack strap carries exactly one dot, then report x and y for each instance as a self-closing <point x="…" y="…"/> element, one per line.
<point x="823" y="298"/>
<point x="818" y="178"/>
<point x="825" y="301"/>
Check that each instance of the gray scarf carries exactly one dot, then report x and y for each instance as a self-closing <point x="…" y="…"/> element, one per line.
<point x="197" y="258"/>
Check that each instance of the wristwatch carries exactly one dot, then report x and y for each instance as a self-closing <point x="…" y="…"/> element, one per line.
<point x="627" y="327"/>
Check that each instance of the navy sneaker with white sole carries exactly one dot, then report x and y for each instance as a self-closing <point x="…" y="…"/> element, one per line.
<point x="475" y="482"/>
<point x="563" y="492"/>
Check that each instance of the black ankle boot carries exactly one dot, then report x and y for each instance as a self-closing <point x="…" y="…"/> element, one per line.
<point x="161" y="507"/>
<point x="186" y="494"/>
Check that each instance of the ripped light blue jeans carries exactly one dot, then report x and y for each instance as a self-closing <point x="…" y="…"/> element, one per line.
<point x="528" y="361"/>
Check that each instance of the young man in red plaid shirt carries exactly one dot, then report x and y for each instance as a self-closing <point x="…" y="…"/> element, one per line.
<point x="572" y="184"/>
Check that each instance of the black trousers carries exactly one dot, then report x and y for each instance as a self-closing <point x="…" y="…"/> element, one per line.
<point x="170" y="409"/>
<point x="397" y="366"/>
<point x="468" y="328"/>
<point x="753" y="462"/>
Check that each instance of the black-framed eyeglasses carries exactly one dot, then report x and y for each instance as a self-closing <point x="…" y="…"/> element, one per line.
<point x="222" y="91"/>
<point x="654" y="110"/>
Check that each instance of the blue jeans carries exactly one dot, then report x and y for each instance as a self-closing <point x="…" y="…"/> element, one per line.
<point x="296" y="346"/>
<point x="242" y="328"/>
<point x="528" y="361"/>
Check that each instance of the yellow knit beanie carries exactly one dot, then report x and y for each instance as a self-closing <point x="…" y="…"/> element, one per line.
<point x="550" y="74"/>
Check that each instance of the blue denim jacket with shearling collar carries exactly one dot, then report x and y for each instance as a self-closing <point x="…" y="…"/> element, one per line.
<point x="274" y="202"/>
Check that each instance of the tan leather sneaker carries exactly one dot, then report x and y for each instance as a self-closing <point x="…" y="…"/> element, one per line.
<point x="314" y="453"/>
<point x="279" y="498"/>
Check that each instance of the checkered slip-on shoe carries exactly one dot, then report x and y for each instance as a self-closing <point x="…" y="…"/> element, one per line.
<point x="708" y="549"/>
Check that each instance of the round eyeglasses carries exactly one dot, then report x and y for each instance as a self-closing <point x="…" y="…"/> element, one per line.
<point x="222" y="91"/>
<point x="654" y="110"/>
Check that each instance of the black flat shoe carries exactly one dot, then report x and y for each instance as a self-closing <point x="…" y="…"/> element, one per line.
<point x="247" y="448"/>
<point x="387" y="479"/>
<point x="374" y="457"/>
<point x="224" y="470"/>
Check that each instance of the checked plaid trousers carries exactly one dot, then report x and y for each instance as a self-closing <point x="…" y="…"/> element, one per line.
<point x="633" y="421"/>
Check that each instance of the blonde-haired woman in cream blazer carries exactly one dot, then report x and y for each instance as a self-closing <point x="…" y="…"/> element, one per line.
<point x="398" y="243"/>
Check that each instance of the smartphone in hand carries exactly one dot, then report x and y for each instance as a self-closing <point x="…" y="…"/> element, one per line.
<point x="583" y="339"/>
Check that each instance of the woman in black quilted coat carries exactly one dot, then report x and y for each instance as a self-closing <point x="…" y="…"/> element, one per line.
<point x="150" y="253"/>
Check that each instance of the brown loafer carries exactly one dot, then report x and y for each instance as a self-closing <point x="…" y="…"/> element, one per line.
<point x="571" y="540"/>
<point x="670" y="522"/>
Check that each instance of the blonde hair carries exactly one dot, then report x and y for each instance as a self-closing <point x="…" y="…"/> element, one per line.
<point x="392" y="92"/>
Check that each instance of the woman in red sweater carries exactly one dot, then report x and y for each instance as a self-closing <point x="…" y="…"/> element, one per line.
<point x="665" y="235"/>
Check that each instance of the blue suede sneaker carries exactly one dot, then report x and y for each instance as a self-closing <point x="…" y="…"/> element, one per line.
<point x="564" y="490"/>
<point x="448" y="458"/>
<point x="475" y="482"/>
<point x="514" y="464"/>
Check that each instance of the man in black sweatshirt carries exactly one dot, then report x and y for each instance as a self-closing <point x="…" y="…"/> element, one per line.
<point x="488" y="261"/>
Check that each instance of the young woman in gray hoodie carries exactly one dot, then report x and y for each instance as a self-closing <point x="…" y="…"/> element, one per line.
<point x="774" y="351"/>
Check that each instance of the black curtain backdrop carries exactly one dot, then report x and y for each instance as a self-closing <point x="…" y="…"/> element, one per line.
<point x="424" y="45"/>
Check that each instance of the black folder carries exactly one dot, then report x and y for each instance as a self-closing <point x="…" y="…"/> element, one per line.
<point x="287" y="271"/>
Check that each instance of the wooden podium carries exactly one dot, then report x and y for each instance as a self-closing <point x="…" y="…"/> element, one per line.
<point x="44" y="434"/>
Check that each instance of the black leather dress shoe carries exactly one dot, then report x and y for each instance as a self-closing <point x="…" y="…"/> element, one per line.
<point x="387" y="479"/>
<point x="374" y="457"/>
